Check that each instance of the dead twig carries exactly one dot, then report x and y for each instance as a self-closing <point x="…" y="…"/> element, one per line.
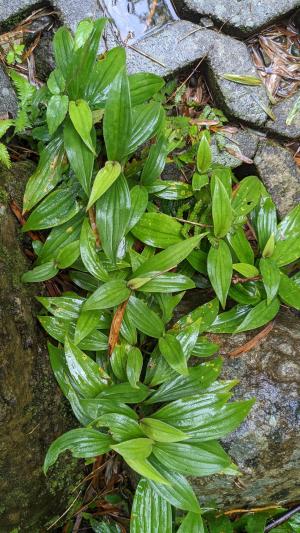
<point x="144" y="54"/>
<point x="252" y="343"/>
<point x="116" y="326"/>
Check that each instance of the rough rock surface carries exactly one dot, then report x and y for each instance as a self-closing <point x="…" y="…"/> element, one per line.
<point x="266" y="447"/>
<point x="8" y="100"/>
<point x="281" y="112"/>
<point x="32" y="410"/>
<point x="245" y="142"/>
<point x="278" y="171"/>
<point x="240" y="16"/>
<point x="223" y="55"/>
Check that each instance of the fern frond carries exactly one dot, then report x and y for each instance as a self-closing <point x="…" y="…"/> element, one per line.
<point x="4" y="125"/>
<point x="25" y="92"/>
<point x="4" y="156"/>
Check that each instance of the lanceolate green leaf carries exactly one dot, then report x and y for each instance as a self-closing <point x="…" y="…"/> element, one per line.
<point x="60" y="237"/>
<point x="160" y="431"/>
<point x="82" y="442"/>
<point x="204" y="156"/>
<point x="103" y="180"/>
<point x="241" y="246"/>
<point x="155" y="161"/>
<point x="179" y="493"/>
<point x="117" y="125"/>
<point x="146" y="122"/>
<point x="168" y="283"/>
<point x="56" y="111"/>
<point x="192" y="523"/>
<point x="81" y="117"/>
<point x="146" y="320"/>
<point x="40" y="273"/>
<point x="246" y="196"/>
<point x="139" y="201"/>
<point x="171" y="350"/>
<point x="158" y="230"/>
<point x="287" y="248"/>
<point x="68" y="255"/>
<point x="86" y="323"/>
<point x="221" y="209"/>
<point x="289" y="291"/>
<point x="228" y="322"/>
<point x="60" y="206"/>
<point x="199" y="379"/>
<point x="265" y="220"/>
<point x="192" y="459"/>
<point x="107" y="296"/>
<point x="150" y="513"/>
<point x="271" y="277"/>
<point x="219" y="268"/>
<point x="85" y="373"/>
<point x="143" y="86"/>
<point x="89" y="256"/>
<point x="47" y="174"/>
<point x="103" y="75"/>
<point x="259" y="315"/>
<point x="112" y="216"/>
<point x="80" y="157"/>
<point x="165" y="260"/>
<point x="121" y="427"/>
<point x="63" y="45"/>
<point x="134" y="366"/>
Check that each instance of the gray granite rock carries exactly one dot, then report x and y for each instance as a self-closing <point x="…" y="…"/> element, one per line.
<point x="278" y="171"/>
<point x="266" y="447"/>
<point x="180" y="45"/>
<point x="242" y="17"/>
<point x="244" y="141"/>
<point x="8" y="100"/>
<point x="70" y="11"/>
<point x="281" y="111"/>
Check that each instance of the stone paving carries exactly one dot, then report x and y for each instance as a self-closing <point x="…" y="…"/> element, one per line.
<point x="180" y="46"/>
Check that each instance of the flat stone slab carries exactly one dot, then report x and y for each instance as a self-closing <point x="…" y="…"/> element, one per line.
<point x="266" y="447"/>
<point x="8" y="100"/>
<point x="181" y="44"/>
<point x="281" y="112"/>
<point x="242" y="17"/>
<point x="280" y="174"/>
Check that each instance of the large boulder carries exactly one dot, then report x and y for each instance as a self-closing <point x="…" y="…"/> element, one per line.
<point x="266" y="447"/>
<point x="32" y="410"/>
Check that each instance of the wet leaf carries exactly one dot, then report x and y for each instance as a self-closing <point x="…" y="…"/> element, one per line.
<point x="170" y="348"/>
<point x="82" y="442"/>
<point x="59" y="207"/>
<point x="150" y="511"/>
<point x="86" y="375"/>
<point x="246" y="196"/>
<point x="164" y="261"/>
<point x="221" y="209"/>
<point x="244" y="80"/>
<point x="259" y="315"/>
<point x="117" y="124"/>
<point x="88" y="252"/>
<point x="271" y="277"/>
<point x="219" y="268"/>
<point x="143" y="86"/>
<point x="248" y="271"/>
<point x="192" y="523"/>
<point x="113" y="211"/>
<point x="155" y="162"/>
<point x="134" y="366"/>
<point x="139" y="202"/>
<point x="147" y="120"/>
<point x="68" y="255"/>
<point x="82" y="119"/>
<point x="158" y="230"/>
<point x="103" y="180"/>
<point x="108" y="295"/>
<point x="63" y="45"/>
<point x="289" y="291"/>
<point x="80" y="157"/>
<point x="56" y="111"/>
<point x="204" y="155"/>
<point x="160" y="431"/>
<point x="179" y="493"/>
<point x="144" y="319"/>
<point x="168" y="283"/>
<point x="241" y="246"/>
<point x="40" y="273"/>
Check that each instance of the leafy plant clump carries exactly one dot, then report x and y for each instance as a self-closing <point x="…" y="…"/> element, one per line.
<point x="133" y="245"/>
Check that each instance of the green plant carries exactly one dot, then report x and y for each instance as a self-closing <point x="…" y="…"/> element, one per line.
<point x="14" y="55"/>
<point x="124" y="355"/>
